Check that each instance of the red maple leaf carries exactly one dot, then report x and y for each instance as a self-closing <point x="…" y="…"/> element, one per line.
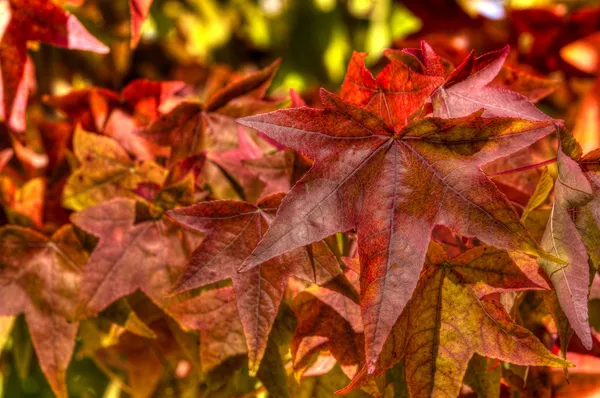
<point x="393" y="187"/>
<point x="233" y="228"/>
<point x="33" y="20"/>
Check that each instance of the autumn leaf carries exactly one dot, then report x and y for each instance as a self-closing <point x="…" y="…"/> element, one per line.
<point x="232" y="162"/>
<point x="394" y="95"/>
<point x="89" y="107"/>
<point x="467" y="89"/>
<point x="23" y="205"/>
<point x="127" y="241"/>
<point x="509" y="77"/>
<point x="40" y="278"/>
<point x="328" y="322"/>
<point x="562" y="239"/>
<point x="33" y="20"/>
<point x="278" y="171"/>
<point x="191" y="127"/>
<point x="93" y="107"/>
<point x="106" y="171"/>
<point x="139" y="10"/>
<point x="394" y="188"/>
<point x="588" y="219"/>
<point x="233" y="229"/>
<point x="214" y="314"/>
<point x="447" y="321"/>
<point x="540" y="194"/>
<point x="533" y="87"/>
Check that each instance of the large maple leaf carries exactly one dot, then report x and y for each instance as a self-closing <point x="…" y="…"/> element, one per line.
<point x="33" y="20"/>
<point x="449" y="320"/>
<point x="40" y="278"/>
<point x="393" y="187"/>
<point x="148" y="255"/>
<point x="233" y="229"/>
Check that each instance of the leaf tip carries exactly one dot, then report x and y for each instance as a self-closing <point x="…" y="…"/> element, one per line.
<point x="372" y="366"/>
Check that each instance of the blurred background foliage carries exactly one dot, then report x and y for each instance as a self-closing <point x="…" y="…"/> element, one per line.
<point x="315" y="38"/>
<point x="187" y="39"/>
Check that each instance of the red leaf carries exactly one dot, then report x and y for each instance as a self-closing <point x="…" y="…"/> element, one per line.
<point x="33" y="20"/>
<point x="113" y="270"/>
<point x="393" y="187"/>
<point x="191" y="127"/>
<point x="40" y="278"/>
<point x="232" y="231"/>
<point x="394" y="95"/>
<point x="467" y="90"/>
<point x="139" y="12"/>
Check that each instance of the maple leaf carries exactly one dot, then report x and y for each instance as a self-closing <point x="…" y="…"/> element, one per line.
<point x="394" y="188"/>
<point x="328" y="321"/>
<point x="23" y="205"/>
<point x="139" y="10"/>
<point x="394" y="95"/>
<point x="106" y="171"/>
<point x="233" y="228"/>
<point x="588" y="219"/>
<point x="214" y="314"/>
<point x="190" y="126"/>
<point x="92" y="107"/>
<point x="278" y="171"/>
<point x="467" y="90"/>
<point x="531" y="86"/>
<point x="89" y="107"/>
<point x="561" y="238"/>
<point x="125" y="243"/>
<point x="40" y="278"/>
<point x="448" y="320"/>
<point x="573" y="189"/>
<point x="232" y="162"/>
<point x="33" y="20"/>
<point x="426" y="60"/>
<point x="145" y="97"/>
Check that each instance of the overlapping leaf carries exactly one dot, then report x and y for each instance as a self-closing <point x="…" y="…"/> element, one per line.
<point x="130" y="255"/>
<point x="468" y="89"/>
<point x="561" y="238"/>
<point x="33" y="20"/>
<point x="139" y="10"/>
<point x="448" y="320"/>
<point x="106" y="171"/>
<point x="395" y="94"/>
<point x="233" y="230"/>
<point x="192" y="127"/>
<point x="40" y="278"/>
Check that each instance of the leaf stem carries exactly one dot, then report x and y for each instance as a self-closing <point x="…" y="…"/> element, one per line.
<point x="531" y="166"/>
